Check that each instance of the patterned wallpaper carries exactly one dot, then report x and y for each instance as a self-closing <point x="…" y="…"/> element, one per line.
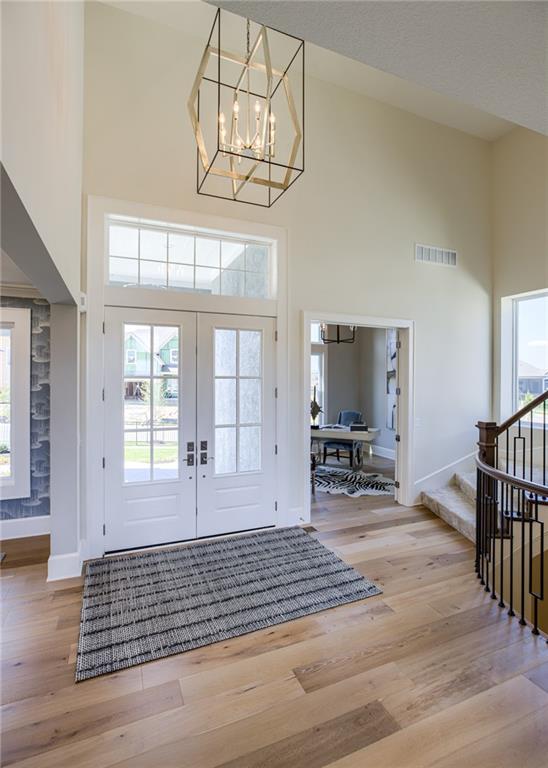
<point x="38" y="503"/>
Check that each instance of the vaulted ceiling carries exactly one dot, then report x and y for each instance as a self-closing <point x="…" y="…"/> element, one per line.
<point x="488" y="54"/>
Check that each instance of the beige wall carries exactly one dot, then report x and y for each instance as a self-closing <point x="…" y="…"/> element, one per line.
<point x="42" y="122"/>
<point x="388" y="180"/>
<point x="520" y="224"/>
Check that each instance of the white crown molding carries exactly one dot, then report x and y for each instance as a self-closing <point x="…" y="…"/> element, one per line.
<point x="19" y="291"/>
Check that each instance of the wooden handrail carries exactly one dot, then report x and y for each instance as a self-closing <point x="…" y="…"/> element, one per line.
<point x="522" y="412"/>
<point x="517" y="482"/>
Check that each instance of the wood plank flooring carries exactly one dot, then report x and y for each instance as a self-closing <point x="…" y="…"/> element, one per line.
<point x="432" y="673"/>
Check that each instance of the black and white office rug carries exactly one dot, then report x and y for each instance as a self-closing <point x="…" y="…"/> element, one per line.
<point x="351" y="483"/>
<point x="144" y="606"/>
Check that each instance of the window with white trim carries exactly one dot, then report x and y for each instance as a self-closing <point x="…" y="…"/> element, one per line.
<point x="14" y="403"/>
<point x="530" y="350"/>
<point x="161" y="255"/>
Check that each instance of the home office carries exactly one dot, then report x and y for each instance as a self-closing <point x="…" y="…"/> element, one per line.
<point x="353" y="409"/>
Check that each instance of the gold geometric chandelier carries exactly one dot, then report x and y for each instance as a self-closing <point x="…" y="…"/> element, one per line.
<point x="247" y="112"/>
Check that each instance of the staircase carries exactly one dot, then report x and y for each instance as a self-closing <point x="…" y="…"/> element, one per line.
<point x="455" y="503"/>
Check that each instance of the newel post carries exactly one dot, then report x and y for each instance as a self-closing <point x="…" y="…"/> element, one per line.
<point x="487" y="441"/>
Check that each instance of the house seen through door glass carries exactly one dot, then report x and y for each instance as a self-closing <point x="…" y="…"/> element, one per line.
<point x="151" y="402"/>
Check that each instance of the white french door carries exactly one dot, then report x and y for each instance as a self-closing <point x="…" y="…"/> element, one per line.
<point x="236" y="424"/>
<point x="190" y="426"/>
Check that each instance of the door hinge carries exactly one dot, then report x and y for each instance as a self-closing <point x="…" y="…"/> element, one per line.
<point x="103" y="326"/>
<point x="275" y="335"/>
<point x="103" y="394"/>
<point x="275" y="506"/>
<point x="398" y="390"/>
<point x="104" y="462"/>
<point x="104" y="529"/>
<point x="397" y="484"/>
<point x="275" y="450"/>
<point x="397" y="438"/>
<point x="398" y="345"/>
<point x="275" y="392"/>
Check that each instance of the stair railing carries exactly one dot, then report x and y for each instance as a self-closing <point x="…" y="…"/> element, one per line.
<point x="512" y="512"/>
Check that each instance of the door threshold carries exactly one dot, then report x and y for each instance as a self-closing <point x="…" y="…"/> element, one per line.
<point x="170" y="544"/>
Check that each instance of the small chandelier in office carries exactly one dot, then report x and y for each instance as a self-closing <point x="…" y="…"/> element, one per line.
<point x="339" y="338"/>
<point x="247" y="112"/>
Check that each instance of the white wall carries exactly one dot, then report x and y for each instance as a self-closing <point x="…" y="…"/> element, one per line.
<point x="42" y="122"/>
<point x="520" y="224"/>
<point x="343" y="376"/>
<point x="373" y="378"/>
<point x="387" y="180"/>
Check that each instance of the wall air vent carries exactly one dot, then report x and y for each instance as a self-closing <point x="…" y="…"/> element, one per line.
<point x="431" y="254"/>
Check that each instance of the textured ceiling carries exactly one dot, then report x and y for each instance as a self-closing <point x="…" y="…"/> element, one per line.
<point x="491" y="55"/>
<point x="194" y="19"/>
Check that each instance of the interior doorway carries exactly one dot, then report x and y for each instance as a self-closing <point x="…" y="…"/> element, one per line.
<point x="357" y="407"/>
<point x="190" y="426"/>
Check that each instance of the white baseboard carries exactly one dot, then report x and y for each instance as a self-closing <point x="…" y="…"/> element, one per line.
<point x="22" y="527"/>
<point x="442" y="476"/>
<point x="64" y="566"/>
<point x="385" y="453"/>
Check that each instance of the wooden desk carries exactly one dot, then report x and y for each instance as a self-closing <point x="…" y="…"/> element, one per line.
<point x="358" y="439"/>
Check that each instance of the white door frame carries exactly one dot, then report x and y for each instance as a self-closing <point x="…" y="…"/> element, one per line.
<point x="406" y="419"/>
<point x="100" y="295"/>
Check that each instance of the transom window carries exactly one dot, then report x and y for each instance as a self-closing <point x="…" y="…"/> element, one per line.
<point x="160" y="256"/>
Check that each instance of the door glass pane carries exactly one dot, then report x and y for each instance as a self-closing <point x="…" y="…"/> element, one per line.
<point x="5" y="401"/>
<point x="153" y="245"/>
<point x="166" y="403"/>
<point x="250" y="353"/>
<point x="137" y="350"/>
<point x="136" y="457"/>
<point x="225" y="401"/>
<point x="225" y="352"/>
<point x="225" y="450"/>
<point x="165" y="450"/>
<point x="250" y="401"/>
<point x="249" y="458"/>
<point x="166" y="350"/>
<point x="136" y="404"/>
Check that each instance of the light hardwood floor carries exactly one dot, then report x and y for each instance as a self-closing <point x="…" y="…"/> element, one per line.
<point x="430" y="673"/>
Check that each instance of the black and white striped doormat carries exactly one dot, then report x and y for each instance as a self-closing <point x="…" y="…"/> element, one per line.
<point x="144" y="606"/>
<point x="336" y="480"/>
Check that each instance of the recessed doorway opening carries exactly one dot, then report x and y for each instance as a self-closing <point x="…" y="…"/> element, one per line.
<point x="357" y="407"/>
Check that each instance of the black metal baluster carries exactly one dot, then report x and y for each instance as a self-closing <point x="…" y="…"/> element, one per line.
<point x="500" y="508"/>
<point x="522" y="609"/>
<point x="511" y="611"/>
<point x="494" y="542"/>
